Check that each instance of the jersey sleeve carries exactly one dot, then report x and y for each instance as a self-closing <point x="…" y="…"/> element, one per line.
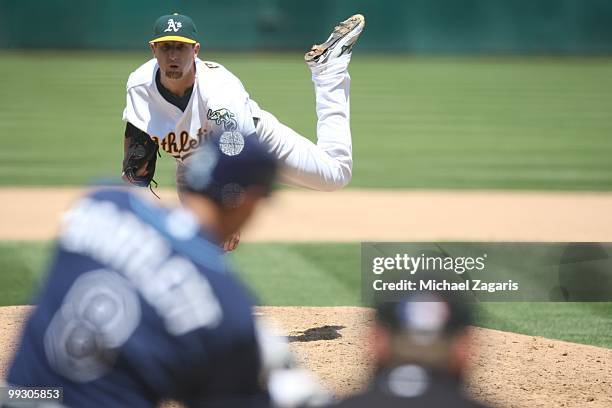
<point x="136" y="109"/>
<point x="231" y="110"/>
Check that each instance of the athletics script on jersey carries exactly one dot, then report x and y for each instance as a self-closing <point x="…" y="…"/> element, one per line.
<point x="182" y="146"/>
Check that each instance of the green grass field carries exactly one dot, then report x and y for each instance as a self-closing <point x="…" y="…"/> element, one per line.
<point x="520" y="123"/>
<point x="427" y="122"/>
<point x="328" y="275"/>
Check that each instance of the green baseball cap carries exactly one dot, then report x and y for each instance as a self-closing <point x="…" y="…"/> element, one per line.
<point x="175" y="27"/>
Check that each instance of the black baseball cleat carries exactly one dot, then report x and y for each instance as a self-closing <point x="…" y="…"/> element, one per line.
<point x="340" y="42"/>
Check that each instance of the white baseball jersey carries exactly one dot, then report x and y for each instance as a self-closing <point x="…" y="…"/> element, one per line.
<point x="218" y="100"/>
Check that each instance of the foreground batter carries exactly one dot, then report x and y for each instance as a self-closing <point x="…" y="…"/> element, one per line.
<point x="175" y="100"/>
<point x="121" y="324"/>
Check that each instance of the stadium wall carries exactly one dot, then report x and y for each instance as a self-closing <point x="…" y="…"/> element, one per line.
<point x="418" y="26"/>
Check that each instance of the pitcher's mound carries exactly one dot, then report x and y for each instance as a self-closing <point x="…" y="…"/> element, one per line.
<point x="510" y="369"/>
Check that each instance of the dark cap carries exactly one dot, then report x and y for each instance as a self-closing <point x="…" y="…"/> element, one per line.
<point x="175" y="27"/>
<point x="227" y="164"/>
<point x="425" y="313"/>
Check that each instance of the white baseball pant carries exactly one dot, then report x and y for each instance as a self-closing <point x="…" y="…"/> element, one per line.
<point x="326" y="165"/>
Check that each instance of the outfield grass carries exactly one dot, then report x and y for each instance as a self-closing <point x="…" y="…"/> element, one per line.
<point x="528" y="123"/>
<point x="328" y="275"/>
<point x="21" y="270"/>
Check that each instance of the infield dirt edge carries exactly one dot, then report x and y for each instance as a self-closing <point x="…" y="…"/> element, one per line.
<point x="509" y="369"/>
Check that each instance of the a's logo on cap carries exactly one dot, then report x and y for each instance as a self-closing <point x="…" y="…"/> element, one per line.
<point x="173" y="25"/>
<point x="231" y="143"/>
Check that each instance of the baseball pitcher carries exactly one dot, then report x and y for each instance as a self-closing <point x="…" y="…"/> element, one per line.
<point x="176" y="99"/>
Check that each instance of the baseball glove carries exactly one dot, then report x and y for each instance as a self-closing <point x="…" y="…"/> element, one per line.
<point x="140" y="158"/>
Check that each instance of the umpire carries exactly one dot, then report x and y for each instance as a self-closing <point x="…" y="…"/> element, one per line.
<point x="139" y="305"/>
<point x="420" y="347"/>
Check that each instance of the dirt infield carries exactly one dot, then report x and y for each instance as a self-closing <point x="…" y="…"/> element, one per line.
<point x="510" y="370"/>
<point x="368" y="215"/>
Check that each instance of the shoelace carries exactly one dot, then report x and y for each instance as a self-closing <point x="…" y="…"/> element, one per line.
<point x="342" y="24"/>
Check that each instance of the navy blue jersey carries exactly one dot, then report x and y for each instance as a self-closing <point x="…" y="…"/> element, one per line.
<point x="139" y="306"/>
